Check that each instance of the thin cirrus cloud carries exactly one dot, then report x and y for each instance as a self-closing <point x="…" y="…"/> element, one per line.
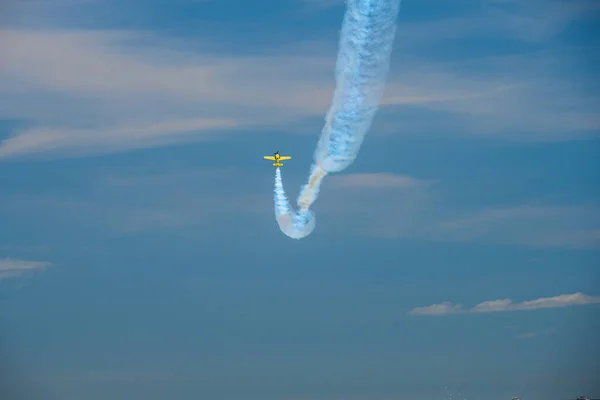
<point x="383" y="180"/>
<point x="123" y="138"/>
<point x="504" y="305"/>
<point x="79" y="89"/>
<point x="413" y="208"/>
<point x="530" y="335"/>
<point x="99" y="90"/>
<point x="527" y="225"/>
<point x="12" y="268"/>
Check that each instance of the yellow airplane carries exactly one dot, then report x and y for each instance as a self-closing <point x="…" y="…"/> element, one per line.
<point x="277" y="158"/>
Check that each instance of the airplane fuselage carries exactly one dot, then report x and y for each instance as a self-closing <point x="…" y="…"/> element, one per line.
<point x="277" y="158"/>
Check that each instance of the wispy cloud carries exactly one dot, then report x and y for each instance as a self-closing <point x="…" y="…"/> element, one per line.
<point x="531" y="335"/>
<point x="528" y="225"/>
<point x="504" y="305"/>
<point x="11" y="268"/>
<point x="438" y="309"/>
<point x="417" y="209"/>
<point x="382" y="180"/>
<point x="129" y="137"/>
<point x="320" y="4"/>
<point x="521" y="97"/>
<point x="527" y="335"/>
<point x="94" y="90"/>
<point x="92" y="87"/>
<point x="533" y="21"/>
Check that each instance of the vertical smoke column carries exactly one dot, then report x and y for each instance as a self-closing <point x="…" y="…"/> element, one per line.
<point x="366" y="41"/>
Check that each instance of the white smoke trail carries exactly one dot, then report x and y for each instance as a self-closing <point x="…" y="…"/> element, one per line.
<point x="366" y="41"/>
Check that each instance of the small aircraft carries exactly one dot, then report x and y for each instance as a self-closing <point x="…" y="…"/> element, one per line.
<point x="277" y="158"/>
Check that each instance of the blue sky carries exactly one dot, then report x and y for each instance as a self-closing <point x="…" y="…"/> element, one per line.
<point x="139" y="255"/>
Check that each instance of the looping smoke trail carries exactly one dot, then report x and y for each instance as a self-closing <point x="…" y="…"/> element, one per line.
<point x="362" y="66"/>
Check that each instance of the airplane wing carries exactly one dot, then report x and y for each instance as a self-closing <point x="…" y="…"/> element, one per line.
<point x="285" y="158"/>
<point x="269" y="158"/>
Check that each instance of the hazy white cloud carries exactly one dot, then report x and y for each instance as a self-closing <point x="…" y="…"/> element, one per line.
<point x="438" y="309"/>
<point x="187" y="210"/>
<point x="529" y="20"/>
<point x="136" y="179"/>
<point x="532" y="21"/>
<point x="377" y="205"/>
<point x="54" y="2"/>
<point x="126" y="137"/>
<point x="503" y="305"/>
<point x="563" y="300"/>
<point x="322" y="3"/>
<point x="92" y="87"/>
<point x="530" y="335"/>
<point x="383" y="180"/>
<point x="146" y="197"/>
<point x="380" y="205"/>
<point x="10" y="268"/>
<point x="415" y="208"/>
<point x="308" y="7"/>
<point x="521" y="97"/>
<point x="536" y="20"/>
<point x="100" y="90"/>
<point x="122" y="63"/>
<point x="528" y="225"/>
<point x="527" y="335"/>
